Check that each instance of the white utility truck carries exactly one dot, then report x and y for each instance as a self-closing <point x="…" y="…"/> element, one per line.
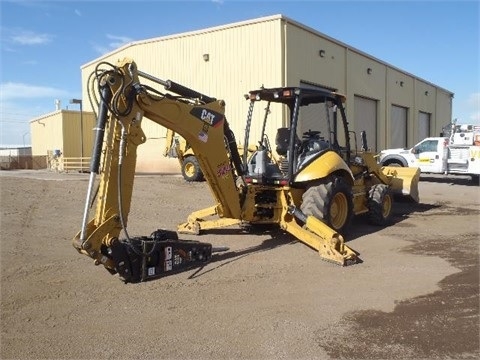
<point x="456" y="152"/>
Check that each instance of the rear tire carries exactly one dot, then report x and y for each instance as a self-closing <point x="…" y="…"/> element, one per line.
<point x="331" y="203"/>
<point x="380" y="205"/>
<point x="191" y="170"/>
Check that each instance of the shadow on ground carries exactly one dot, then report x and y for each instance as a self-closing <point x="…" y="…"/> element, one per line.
<point x="450" y="179"/>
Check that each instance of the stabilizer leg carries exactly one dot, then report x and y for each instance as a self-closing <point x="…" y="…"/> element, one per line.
<point x="329" y="244"/>
<point x="202" y="220"/>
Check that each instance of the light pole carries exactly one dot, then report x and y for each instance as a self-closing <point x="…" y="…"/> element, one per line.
<point x="79" y="101"/>
<point x="24" y="138"/>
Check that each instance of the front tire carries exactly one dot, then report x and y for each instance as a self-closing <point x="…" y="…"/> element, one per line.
<point x="380" y="205"/>
<point x="191" y="170"/>
<point x="331" y="203"/>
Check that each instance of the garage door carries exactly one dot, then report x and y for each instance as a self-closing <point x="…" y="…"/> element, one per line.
<point x="423" y="125"/>
<point x="365" y="120"/>
<point x="398" y="127"/>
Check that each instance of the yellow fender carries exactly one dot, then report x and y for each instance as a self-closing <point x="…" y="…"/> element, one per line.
<point x="322" y="167"/>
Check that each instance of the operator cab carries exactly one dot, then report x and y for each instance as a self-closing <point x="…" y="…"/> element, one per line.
<point x="311" y="132"/>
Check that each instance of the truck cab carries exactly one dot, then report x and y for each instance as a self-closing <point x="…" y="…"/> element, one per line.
<point x="429" y="155"/>
<point x="458" y="154"/>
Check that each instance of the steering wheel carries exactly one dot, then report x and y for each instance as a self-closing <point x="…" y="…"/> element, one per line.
<point x="310" y="133"/>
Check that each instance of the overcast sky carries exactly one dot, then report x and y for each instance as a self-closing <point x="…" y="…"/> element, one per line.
<point x="44" y="43"/>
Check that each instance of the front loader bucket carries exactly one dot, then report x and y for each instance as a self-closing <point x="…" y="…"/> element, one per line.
<point x="403" y="180"/>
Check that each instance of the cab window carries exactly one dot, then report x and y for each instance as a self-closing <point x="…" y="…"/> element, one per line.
<point x="427" y="146"/>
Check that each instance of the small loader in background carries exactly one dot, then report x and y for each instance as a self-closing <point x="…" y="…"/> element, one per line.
<point x="177" y="147"/>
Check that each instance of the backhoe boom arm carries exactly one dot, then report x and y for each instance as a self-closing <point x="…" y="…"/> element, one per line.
<point x="200" y="119"/>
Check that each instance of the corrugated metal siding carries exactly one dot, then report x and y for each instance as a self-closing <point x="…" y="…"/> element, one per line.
<point x="400" y="88"/>
<point x="241" y="58"/>
<point x="277" y="51"/>
<point x="323" y="61"/>
<point x="47" y="133"/>
<point x="61" y="131"/>
<point x="425" y="97"/>
<point x="305" y="63"/>
<point x="73" y="136"/>
<point x="89" y="122"/>
<point x="443" y="110"/>
<point x="366" y="79"/>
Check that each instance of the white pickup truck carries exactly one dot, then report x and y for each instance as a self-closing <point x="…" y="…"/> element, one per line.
<point x="457" y="154"/>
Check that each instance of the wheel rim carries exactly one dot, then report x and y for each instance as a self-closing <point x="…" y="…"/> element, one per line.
<point x="386" y="206"/>
<point x="189" y="169"/>
<point x="338" y="211"/>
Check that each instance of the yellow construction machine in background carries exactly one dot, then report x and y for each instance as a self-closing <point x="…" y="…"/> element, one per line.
<point x="177" y="147"/>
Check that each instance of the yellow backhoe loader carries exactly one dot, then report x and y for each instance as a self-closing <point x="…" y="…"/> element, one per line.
<point x="310" y="186"/>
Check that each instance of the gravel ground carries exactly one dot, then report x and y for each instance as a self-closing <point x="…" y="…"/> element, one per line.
<point x="416" y="294"/>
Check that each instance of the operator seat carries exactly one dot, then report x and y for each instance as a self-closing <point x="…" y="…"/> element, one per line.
<point x="282" y="140"/>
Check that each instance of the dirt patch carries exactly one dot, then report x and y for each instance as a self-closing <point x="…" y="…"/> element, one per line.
<point x="269" y="297"/>
<point x="439" y="325"/>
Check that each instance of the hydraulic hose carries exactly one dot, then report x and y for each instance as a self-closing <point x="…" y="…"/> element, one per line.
<point x="106" y="96"/>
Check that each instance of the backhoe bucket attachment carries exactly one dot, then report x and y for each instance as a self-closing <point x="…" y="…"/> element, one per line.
<point x="403" y="180"/>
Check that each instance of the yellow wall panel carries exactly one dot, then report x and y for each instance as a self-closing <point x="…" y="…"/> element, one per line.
<point x="312" y="58"/>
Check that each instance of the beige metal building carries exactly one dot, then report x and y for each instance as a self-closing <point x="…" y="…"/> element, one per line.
<point x="65" y="137"/>
<point x="395" y="108"/>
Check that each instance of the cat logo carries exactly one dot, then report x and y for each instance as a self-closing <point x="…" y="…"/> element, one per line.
<point x="209" y="117"/>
